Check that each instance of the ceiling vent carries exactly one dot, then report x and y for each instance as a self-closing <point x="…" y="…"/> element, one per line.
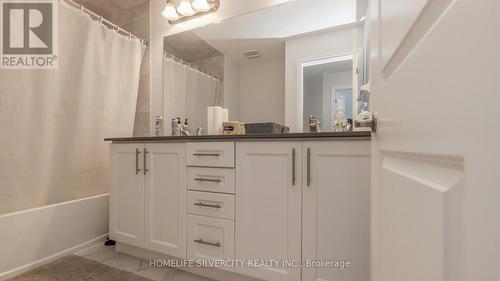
<point x="252" y="54"/>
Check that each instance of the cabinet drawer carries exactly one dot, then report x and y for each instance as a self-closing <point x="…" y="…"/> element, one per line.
<point x="210" y="154"/>
<point x="211" y="204"/>
<point x="209" y="238"/>
<point x="211" y="179"/>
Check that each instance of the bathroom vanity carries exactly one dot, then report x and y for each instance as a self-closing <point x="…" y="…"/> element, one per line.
<point x="288" y="198"/>
<point x="291" y="197"/>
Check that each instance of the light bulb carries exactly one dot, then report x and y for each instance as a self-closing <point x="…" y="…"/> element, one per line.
<point x="170" y="13"/>
<point x="185" y="8"/>
<point x="201" y="5"/>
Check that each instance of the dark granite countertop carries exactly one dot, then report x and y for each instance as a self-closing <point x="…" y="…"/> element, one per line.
<point x="325" y="135"/>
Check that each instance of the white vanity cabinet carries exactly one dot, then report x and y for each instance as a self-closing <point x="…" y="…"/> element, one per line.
<point x="290" y="201"/>
<point x="126" y="220"/>
<point x="165" y="198"/>
<point x="148" y="196"/>
<point x="210" y="203"/>
<point x="268" y="206"/>
<point x="336" y="209"/>
<point x="301" y="201"/>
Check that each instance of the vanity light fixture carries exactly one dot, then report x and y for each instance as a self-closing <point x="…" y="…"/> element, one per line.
<point x="188" y="9"/>
<point x="170" y="13"/>
<point x="185" y="8"/>
<point x="201" y="5"/>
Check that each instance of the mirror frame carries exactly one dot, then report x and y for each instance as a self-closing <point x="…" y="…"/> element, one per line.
<point x="300" y="83"/>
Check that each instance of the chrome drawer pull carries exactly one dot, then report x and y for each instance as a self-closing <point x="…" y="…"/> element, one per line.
<point x="208" y="243"/>
<point x="293" y="166"/>
<point x="137" y="169"/>
<point x="308" y="167"/>
<point x="206" y="154"/>
<point x="145" y="161"/>
<point x="208" y="205"/>
<point x="210" y="180"/>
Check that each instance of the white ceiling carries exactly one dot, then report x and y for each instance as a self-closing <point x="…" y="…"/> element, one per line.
<point x="270" y="49"/>
<point x="189" y="47"/>
<point x="108" y="5"/>
<point x="266" y="30"/>
<point x="127" y="4"/>
<point x="284" y="20"/>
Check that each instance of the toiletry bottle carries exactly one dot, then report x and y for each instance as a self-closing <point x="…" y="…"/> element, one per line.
<point x="178" y="127"/>
<point x="158" y="125"/>
<point x="185" y="128"/>
<point x="174" y="125"/>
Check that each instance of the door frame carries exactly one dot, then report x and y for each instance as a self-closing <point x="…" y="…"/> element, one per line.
<point x="333" y="96"/>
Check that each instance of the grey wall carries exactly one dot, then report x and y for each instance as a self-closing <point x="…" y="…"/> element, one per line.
<point x="262" y="89"/>
<point x="331" y="81"/>
<point x="313" y="98"/>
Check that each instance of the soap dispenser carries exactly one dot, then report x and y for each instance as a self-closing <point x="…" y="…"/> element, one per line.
<point x="185" y="128"/>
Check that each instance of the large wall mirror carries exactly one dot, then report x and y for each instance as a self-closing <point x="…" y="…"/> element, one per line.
<point x="272" y="65"/>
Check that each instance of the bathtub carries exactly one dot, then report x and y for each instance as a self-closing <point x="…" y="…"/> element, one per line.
<point x="33" y="237"/>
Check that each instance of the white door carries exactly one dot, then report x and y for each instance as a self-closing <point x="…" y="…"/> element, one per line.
<point x="436" y="171"/>
<point x="336" y="210"/>
<point x="165" y="185"/>
<point x="126" y="223"/>
<point x="268" y="207"/>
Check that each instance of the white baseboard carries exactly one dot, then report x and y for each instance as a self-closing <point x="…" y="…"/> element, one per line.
<point x="34" y="237"/>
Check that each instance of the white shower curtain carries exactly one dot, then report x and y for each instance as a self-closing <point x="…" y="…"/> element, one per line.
<point x="187" y="93"/>
<point x="53" y="122"/>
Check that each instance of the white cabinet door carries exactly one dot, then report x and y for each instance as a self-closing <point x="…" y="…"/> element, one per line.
<point x="268" y="207"/>
<point x="336" y="210"/>
<point x="165" y="185"/>
<point x="435" y="189"/>
<point x="126" y="222"/>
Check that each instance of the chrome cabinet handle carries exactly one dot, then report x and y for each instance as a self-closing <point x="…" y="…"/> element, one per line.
<point x="206" y="154"/>
<point x="137" y="169"/>
<point x="208" y="243"/>
<point x="293" y="166"/>
<point x="208" y="205"/>
<point x="145" y="159"/>
<point x="308" y="167"/>
<point x="209" y="180"/>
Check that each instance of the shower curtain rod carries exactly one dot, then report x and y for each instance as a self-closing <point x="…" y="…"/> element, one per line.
<point x="113" y="26"/>
<point x="183" y="62"/>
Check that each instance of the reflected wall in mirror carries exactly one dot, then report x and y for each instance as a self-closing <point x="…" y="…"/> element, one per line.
<point x="253" y="65"/>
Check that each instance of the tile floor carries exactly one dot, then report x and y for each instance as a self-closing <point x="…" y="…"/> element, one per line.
<point x="75" y="268"/>
<point x="108" y="256"/>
